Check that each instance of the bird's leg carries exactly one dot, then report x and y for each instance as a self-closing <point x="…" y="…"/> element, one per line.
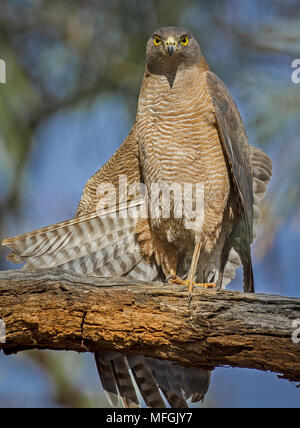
<point x="192" y="273"/>
<point x="193" y="268"/>
<point x="190" y="281"/>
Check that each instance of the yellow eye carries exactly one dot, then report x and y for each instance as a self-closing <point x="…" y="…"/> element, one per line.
<point x="185" y="41"/>
<point x="157" y="41"/>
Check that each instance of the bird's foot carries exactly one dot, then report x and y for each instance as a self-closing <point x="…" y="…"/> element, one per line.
<point x="175" y="280"/>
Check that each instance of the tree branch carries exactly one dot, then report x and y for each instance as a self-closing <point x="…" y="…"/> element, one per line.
<point x="53" y="309"/>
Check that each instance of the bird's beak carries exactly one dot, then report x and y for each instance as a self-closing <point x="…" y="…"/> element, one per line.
<point x="171" y="50"/>
<point x="170" y="45"/>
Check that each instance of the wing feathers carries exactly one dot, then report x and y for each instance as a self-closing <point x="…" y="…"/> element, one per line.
<point x="92" y="261"/>
<point x="74" y="239"/>
<point x="261" y="166"/>
<point x="261" y="170"/>
<point x="250" y="169"/>
<point x="120" y="266"/>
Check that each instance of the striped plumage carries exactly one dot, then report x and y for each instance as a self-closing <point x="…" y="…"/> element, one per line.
<point x="187" y="130"/>
<point x="179" y="144"/>
<point x="159" y="382"/>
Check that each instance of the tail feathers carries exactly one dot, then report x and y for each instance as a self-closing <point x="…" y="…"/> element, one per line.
<point x="195" y="383"/>
<point x="154" y="379"/>
<point x="146" y="382"/>
<point x="107" y="378"/>
<point x="116" y="380"/>
<point x="175" y="401"/>
<point x="179" y="383"/>
<point x="124" y="383"/>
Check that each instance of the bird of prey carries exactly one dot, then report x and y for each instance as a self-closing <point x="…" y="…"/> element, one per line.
<point x="188" y="131"/>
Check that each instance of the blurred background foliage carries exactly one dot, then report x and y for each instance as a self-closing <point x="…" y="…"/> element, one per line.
<point x="73" y="75"/>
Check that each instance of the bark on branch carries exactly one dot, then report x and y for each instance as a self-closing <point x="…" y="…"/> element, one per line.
<point x="52" y="309"/>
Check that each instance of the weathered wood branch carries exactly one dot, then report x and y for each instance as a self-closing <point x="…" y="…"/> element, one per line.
<point x="53" y="309"/>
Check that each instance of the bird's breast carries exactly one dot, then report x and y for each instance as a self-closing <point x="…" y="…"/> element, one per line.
<point x="175" y="128"/>
<point x="179" y="143"/>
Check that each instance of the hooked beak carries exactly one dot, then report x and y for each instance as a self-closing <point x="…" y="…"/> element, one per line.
<point x="171" y="50"/>
<point x="170" y="45"/>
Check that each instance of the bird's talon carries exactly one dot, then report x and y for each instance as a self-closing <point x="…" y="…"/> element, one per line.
<point x="206" y="285"/>
<point x="175" y="280"/>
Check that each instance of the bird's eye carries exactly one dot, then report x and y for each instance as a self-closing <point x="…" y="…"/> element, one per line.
<point x="157" y="41"/>
<point x="185" y="41"/>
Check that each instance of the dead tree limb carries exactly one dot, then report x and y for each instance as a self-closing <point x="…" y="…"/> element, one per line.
<point x="52" y="309"/>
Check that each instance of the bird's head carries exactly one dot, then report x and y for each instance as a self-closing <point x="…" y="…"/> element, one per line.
<point x="169" y="47"/>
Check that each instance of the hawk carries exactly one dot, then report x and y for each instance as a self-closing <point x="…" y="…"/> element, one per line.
<point x="187" y="131"/>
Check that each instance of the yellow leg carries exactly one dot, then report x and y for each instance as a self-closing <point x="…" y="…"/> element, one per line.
<point x="190" y="281"/>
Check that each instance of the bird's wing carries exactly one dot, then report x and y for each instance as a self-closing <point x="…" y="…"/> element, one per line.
<point x="124" y="162"/>
<point x="236" y="147"/>
<point x="92" y="243"/>
<point x="85" y="244"/>
<point x="261" y="166"/>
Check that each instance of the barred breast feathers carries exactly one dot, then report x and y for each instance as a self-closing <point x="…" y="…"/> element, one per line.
<point x="179" y="142"/>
